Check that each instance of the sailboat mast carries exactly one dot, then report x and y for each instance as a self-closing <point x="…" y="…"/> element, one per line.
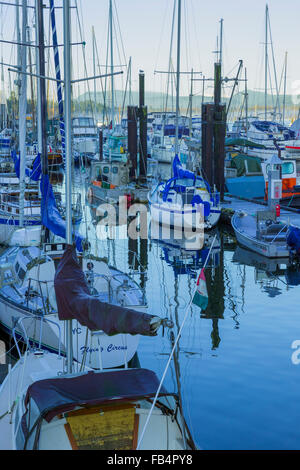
<point x="39" y="108"/>
<point x="266" y="62"/>
<point x="112" y="65"/>
<point x="42" y="88"/>
<point x="284" y="93"/>
<point x="67" y="83"/>
<point x="221" y="42"/>
<point x="22" y="112"/>
<point x="246" y="102"/>
<point x="178" y="76"/>
<point x="31" y="85"/>
<point x="94" y="69"/>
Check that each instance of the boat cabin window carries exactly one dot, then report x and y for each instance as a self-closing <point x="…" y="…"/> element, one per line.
<point x="20" y="271"/>
<point x="115" y="170"/>
<point x="287" y="168"/>
<point x="188" y="182"/>
<point x="106" y="170"/>
<point x="83" y="122"/>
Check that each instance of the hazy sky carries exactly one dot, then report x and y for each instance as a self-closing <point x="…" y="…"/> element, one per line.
<point x="145" y="27"/>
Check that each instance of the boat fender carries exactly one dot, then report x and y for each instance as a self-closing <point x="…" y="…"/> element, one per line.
<point x="277" y="209"/>
<point x="129" y="199"/>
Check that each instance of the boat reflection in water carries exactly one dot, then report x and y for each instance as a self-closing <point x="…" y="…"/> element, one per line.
<point x="186" y="251"/>
<point x="274" y="275"/>
<point x="186" y="259"/>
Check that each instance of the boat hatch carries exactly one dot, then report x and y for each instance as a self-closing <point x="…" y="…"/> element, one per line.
<point x="103" y="428"/>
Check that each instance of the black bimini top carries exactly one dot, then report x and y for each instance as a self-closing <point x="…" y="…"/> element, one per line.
<point x="59" y="395"/>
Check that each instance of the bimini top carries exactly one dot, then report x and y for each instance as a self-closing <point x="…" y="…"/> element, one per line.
<point x="59" y="395"/>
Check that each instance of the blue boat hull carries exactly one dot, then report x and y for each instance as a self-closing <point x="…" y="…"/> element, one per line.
<point x="246" y="186"/>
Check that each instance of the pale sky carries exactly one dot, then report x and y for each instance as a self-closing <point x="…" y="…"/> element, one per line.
<point x="145" y="27"/>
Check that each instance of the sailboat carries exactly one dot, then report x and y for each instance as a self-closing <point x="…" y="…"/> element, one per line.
<point x="115" y="174"/>
<point x="20" y="199"/>
<point x="185" y="200"/>
<point x="28" y="269"/>
<point x="46" y="404"/>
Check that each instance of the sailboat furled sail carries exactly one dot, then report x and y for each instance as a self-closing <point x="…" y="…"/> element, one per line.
<point x="33" y="174"/>
<point x="74" y="301"/>
<point x="58" y="78"/>
<point x="51" y="217"/>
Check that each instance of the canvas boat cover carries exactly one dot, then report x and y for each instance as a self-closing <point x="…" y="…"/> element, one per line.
<point x="62" y="394"/>
<point x="74" y="301"/>
<point x="253" y="164"/>
<point x="230" y="141"/>
<point x="179" y="171"/>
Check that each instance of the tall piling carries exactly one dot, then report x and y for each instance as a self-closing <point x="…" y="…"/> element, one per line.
<point x="132" y="114"/>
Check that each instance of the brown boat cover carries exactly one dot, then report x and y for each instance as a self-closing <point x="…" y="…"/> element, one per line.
<point x="63" y="394"/>
<point x="74" y="301"/>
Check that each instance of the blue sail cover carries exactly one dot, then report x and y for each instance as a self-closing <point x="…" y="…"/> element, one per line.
<point x="179" y="171"/>
<point x="51" y="217"/>
<point x="33" y="174"/>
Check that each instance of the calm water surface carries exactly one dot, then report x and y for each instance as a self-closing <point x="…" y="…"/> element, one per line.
<point x="238" y="384"/>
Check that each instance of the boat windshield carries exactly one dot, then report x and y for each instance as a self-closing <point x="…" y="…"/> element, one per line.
<point x="188" y="182"/>
<point x="287" y="168"/>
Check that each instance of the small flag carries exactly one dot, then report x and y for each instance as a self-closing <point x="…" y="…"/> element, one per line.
<point x="201" y="296"/>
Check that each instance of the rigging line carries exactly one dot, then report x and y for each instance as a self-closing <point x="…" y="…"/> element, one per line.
<point x="170" y="60"/>
<point x="105" y="109"/>
<point x="274" y="65"/>
<point x="119" y="55"/>
<point x="83" y="54"/>
<point x="127" y="78"/>
<point x="174" y="347"/>
<point x="271" y="87"/>
<point x="188" y="59"/>
<point x="99" y="68"/>
<point x="120" y="33"/>
<point x="161" y="41"/>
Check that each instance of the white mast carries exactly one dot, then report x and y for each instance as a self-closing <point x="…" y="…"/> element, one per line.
<point x="22" y="112"/>
<point x="39" y="107"/>
<point x="68" y="181"/>
<point x="178" y="76"/>
<point x="94" y="68"/>
<point x="284" y="91"/>
<point x="221" y="43"/>
<point x="266" y="63"/>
